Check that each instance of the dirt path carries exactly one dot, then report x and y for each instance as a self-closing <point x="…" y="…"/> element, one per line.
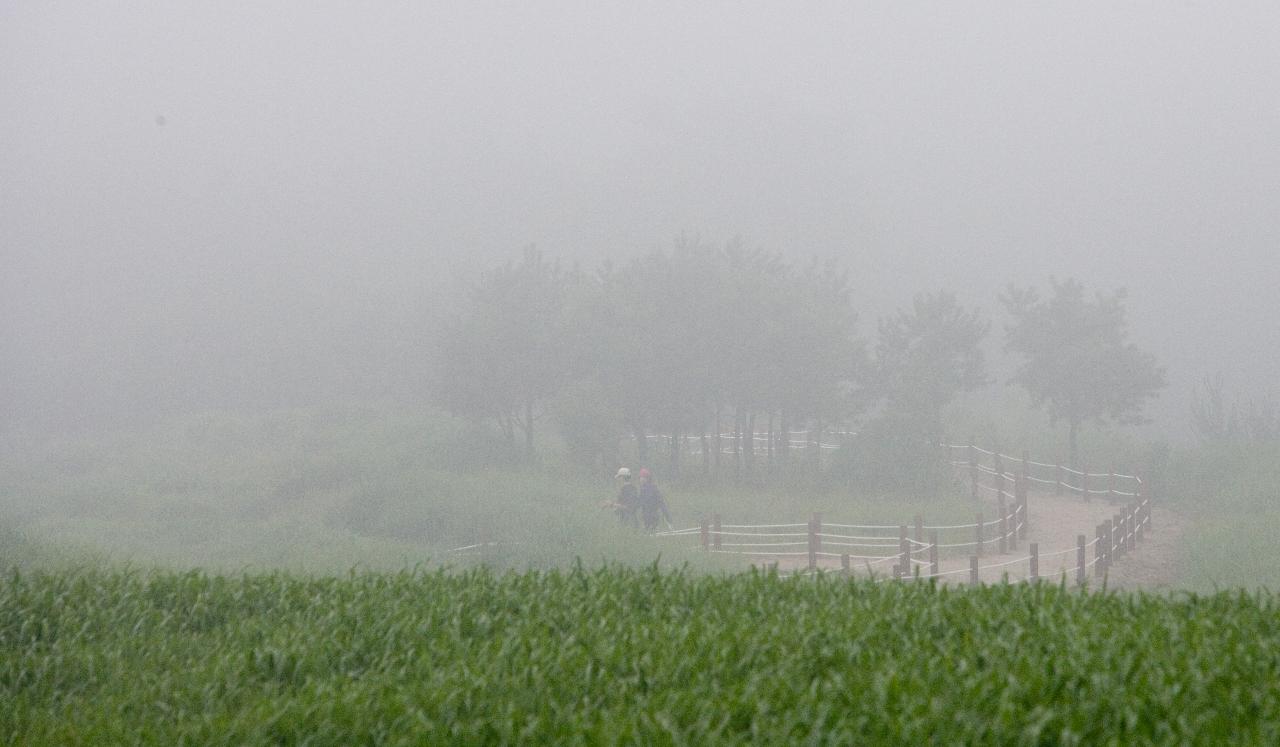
<point x="1056" y="522"/>
<point x="1155" y="563"/>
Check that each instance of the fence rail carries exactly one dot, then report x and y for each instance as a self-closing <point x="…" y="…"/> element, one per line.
<point x="996" y="537"/>
<point x="913" y="548"/>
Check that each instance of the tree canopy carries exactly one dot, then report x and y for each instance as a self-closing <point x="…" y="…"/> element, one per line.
<point x="925" y="357"/>
<point x="507" y="351"/>
<point x="1076" y="359"/>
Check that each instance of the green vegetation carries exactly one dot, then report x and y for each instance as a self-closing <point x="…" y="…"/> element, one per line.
<point x="1229" y="497"/>
<point x="624" y="655"/>
<point x="325" y="491"/>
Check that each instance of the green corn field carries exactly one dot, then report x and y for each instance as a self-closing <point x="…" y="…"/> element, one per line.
<point x="624" y="655"/>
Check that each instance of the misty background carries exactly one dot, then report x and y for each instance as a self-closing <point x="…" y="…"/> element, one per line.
<point x="268" y="205"/>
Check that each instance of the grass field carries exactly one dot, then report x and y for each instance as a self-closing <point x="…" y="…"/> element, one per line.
<point x="327" y="490"/>
<point x="624" y="654"/>
<point x="569" y="629"/>
<point x="331" y="490"/>
<point x="1230" y="496"/>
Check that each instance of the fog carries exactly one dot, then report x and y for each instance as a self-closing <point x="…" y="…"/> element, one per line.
<point x="255" y="205"/>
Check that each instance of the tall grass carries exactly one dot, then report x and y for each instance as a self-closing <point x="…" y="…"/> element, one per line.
<point x="624" y="655"/>
<point x="326" y="490"/>
<point x="1230" y="496"/>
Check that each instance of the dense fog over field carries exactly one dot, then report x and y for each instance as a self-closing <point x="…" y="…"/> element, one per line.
<point x="208" y="205"/>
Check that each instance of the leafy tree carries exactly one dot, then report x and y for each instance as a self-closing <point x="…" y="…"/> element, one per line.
<point x="925" y="357"/>
<point x="507" y="353"/>
<point x="680" y="339"/>
<point x="1216" y="421"/>
<point x="1077" y="361"/>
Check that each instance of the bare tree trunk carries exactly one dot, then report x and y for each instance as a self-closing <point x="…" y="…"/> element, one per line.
<point x="642" y="446"/>
<point x="1072" y="444"/>
<point x="784" y="439"/>
<point x="528" y="428"/>
<point x="717" y="436"/>
<point x="737" y="441"/>
<point x="769" y="440"/>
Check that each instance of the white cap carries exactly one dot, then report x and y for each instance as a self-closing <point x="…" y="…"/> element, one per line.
<point x="623" y="472"/>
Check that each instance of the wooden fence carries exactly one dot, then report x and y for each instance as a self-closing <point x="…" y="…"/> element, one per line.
<point x="917" y="550"/>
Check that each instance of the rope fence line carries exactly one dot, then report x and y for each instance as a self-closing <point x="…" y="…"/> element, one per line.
<point x="1113" y="538"/>
<point x="1107" y="549"/>
<point x="990" y="471"/>
<point x="981" y="462"/>
<point x="996" y="537"/>
<point x="798" y="440"/>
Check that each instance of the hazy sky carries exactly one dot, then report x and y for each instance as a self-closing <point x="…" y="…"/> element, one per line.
<point x="183" y="178"/>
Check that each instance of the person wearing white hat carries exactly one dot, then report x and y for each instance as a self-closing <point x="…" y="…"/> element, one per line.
<point x="628" y="501"/>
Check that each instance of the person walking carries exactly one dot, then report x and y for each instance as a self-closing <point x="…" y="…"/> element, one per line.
<point x="628" y="500"/>
<point x="652" y="504"/>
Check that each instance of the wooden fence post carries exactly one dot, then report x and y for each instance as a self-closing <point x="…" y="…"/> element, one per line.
<point x="813" y="545"/>
<point x="1035" y="561"/>
<point x="973" y="569"/>
<point x="1125" y="530"/>
<point x="973" y="468"/>
<point x="1132" y="519"/>
<point x="1144" y="493"/>
<point x="1111" y="485"/>
<point x="933" y="552"/>
<point x="1084" y="482"/>
<point x="1022" y="498"/>
<point x="978" y="534"/>
<point x="1151" y="501"/>
<point x="1013" y="527"/>
<point x="1127" y="517"/>
<point x="1080" y="558"/>
<point x="1099" y="553"/>
<point x="1117" y="521"/>
<point x="904" y="550"/>
<point x="919" y="528"/>
<point x="1003" y="526"/>
<point x="705" y="532"/>
<point x="715" y="531"/>
<point x="999" y="465"/>
<point x="1139" y="531"/>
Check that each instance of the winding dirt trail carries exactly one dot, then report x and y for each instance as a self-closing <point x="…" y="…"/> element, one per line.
<point x="1056" y="522"/>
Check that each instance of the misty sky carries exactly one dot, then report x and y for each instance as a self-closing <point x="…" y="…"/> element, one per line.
<point x="186" y="182"/>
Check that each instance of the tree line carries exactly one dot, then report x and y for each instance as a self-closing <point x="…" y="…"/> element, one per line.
<point x="700" y="339"/>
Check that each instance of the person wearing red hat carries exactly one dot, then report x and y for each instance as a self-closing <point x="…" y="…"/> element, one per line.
<point x="652" y="504"/>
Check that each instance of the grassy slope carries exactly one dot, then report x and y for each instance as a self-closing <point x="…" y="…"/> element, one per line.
<point x="1231" y="497"/>
<point x="618" y="654"/>
<point x="326" y="491"/>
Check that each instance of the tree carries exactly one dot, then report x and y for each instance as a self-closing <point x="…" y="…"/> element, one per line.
<point x="1214" y="421"/>
<point x="927" y="356"/>
<point x="678" y="340"/>
<point x="1076" y="359"/>
<point x="507" y="353"/>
